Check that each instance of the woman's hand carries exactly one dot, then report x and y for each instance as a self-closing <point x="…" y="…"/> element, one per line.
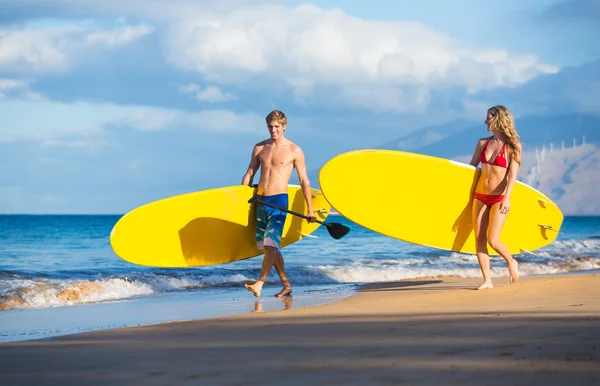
<point x="504" y="205"/>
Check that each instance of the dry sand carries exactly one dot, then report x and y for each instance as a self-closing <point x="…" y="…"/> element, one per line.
<point x="543" y="330"/>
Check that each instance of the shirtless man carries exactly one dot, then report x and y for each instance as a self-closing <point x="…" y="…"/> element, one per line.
<point x="278" y="156"/>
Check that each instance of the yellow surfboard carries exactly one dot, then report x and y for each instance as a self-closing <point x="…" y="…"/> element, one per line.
<point x="427" y="200"/>
<point x="209" y="227"/>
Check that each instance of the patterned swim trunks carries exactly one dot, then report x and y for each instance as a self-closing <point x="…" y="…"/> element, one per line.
<point x="270" y="221"/>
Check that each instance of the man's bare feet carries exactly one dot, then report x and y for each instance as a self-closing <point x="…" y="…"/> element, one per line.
<point x="513" y="270"/>
<point x="286" y="291"/>
<point x="486" y="285"/>
<point x="251" y="288"/>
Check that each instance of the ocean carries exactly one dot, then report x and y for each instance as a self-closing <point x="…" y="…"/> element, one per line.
<point x="59" y="275"/>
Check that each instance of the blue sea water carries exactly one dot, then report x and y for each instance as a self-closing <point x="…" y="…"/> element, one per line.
<point x="59" y="275"/>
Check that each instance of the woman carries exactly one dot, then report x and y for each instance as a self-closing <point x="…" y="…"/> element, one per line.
<point x="500" y="157"/>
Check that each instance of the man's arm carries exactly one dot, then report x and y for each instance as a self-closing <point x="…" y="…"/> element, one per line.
<point x="252" y="168"/>
<point x="300" y="165"/>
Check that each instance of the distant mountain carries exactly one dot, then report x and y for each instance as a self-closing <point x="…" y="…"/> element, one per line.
<point x="535" y="131"/>
<point x="571" y="178"/>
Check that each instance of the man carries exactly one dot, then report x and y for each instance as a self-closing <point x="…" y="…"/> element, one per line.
<point x="278" y="156"/>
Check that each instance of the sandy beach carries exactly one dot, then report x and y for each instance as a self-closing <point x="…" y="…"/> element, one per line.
<point x="544" y="330"/>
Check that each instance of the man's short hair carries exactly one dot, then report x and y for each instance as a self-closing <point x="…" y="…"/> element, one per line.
<point x="278" y="116"/>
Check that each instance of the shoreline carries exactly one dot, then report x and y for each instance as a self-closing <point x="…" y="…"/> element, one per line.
<point x="540" y="331"/>
<point x="51" y="322"/>
<point x="93" y="317"/>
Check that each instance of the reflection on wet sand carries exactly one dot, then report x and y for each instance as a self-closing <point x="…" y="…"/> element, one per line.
<point x="258" y="307"/>
<point x="284" y="303"/>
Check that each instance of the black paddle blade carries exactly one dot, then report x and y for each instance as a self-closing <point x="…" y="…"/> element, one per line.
<point x="337" y="230"/>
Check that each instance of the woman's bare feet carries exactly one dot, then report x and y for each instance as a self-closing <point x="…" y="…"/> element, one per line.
<point x="486" y="285"/>
<point x="286" y="291"/>
<point x="513" y="270"/>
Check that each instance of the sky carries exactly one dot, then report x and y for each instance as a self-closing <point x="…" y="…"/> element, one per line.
<point x="106" y="105"/>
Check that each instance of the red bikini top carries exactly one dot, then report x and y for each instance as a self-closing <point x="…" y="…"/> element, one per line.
<point x="500" y="159"/>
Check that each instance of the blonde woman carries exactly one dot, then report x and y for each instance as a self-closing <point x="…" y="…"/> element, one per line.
<point x="500" y="157"/>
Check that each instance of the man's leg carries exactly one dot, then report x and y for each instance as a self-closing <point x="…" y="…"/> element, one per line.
<point x="261" y="230"/>
<point x="271" y="231"/>
<point x="280" y="268"/>
<point x="275" y="236"/>
<point x="267" y="264"/>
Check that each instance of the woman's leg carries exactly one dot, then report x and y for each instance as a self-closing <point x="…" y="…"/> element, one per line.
<point x="497" y="221"/>
<point x="480" y="225"/>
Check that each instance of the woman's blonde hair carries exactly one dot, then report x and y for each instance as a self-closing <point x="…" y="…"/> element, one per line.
<point x="503" y="122"/>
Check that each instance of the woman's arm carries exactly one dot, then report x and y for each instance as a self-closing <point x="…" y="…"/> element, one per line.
<point x="511" y="177"/>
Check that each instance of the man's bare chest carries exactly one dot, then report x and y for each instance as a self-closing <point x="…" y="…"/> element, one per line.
<point x="276" y="157"/>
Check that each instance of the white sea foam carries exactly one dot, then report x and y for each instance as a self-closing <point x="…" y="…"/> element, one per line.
<point x="346" y="264"/>
<point x="577" y="245"/>
<point x="19" y="294"/>
<point x="364" y="272"/>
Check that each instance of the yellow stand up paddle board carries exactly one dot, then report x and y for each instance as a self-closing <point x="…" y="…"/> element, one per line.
<point x="428" y="201"/>
<point x="209" y="227"/>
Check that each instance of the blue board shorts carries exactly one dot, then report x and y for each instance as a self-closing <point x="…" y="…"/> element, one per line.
<point x="270" y="221"/>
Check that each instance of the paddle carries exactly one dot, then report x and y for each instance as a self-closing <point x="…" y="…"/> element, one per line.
<point x="336" y="230"/>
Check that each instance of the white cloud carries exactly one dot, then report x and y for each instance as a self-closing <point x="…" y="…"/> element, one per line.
<point x="218" y="121"/>
<point x="207" y="94"/>
<point x="77" y="143"/>
<point x="305" y="47"/>
<point x="51" y="49"/>
<point x="380" y="98"/>
<point x="118" y="37"/>
<point x="17" y="88"/>
<point x="32" y="50"/>
<point x="76" y="124"/>
<point x="323" y="56"/>
<point x="146" y="119"/>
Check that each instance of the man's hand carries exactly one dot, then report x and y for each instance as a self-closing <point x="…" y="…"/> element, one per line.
<point x="311" y="216"/>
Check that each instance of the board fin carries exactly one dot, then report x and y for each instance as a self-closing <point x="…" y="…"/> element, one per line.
<point x="523" y="250"/>
<point x="549" y="228"/>
<point x="545" y="202"/>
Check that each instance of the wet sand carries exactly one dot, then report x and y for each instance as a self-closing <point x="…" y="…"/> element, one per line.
<point x="544" y="330"/>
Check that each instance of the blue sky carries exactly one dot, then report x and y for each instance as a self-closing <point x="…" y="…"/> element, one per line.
<point x="106" y="105"/>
